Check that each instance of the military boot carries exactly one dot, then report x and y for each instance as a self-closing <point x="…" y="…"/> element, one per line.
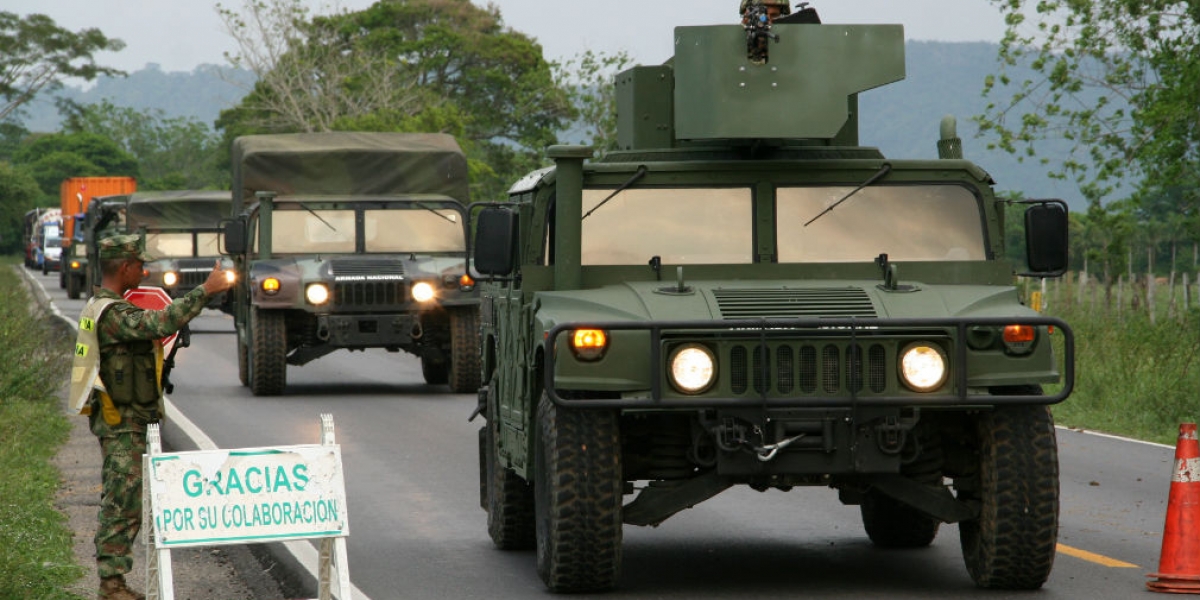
<point x="113" y="588"/>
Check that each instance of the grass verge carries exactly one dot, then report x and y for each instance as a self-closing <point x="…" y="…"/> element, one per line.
<point x="1133" y="378"/>
<point x="36" y="558"/>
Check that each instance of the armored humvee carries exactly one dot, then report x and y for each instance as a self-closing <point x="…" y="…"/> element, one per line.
<point x="351" y="240"/>
<point x="182" y="229"/>
<point x="744" y="295"/>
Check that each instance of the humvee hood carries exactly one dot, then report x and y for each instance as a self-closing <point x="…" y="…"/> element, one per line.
<point x="789" y="299"/>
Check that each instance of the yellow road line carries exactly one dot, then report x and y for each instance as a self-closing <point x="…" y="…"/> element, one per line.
<point x="1096" y="558"/>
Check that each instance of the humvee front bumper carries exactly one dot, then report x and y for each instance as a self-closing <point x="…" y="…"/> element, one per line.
<point x="369" y="330"/>
<point x="808" y="363"/>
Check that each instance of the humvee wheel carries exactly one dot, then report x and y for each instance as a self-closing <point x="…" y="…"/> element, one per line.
<point x="577" y="498"/>
<point x="1012" y="543"/>
<point x="243" y="363"/>
<point x="894" y="524"/>
<point x="464" y="350"/>
<point x="73" y="285"/>
<point x="435" y="370"/>
<point x="509" y="498"/>
<point x="268" y="352"/>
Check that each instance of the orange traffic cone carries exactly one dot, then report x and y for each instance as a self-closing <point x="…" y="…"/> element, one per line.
<point x="1179" y="564"/>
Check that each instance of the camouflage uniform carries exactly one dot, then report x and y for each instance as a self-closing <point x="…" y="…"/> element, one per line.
<point x="121" y="327"/>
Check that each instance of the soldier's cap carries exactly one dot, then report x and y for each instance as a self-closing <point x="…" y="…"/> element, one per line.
<point x="130" y="246"/>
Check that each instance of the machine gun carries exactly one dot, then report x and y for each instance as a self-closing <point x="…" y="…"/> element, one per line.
<point x="758" y="30"/>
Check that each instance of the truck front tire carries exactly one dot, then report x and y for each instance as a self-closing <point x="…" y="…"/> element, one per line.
<point x="268" y="352"/>
<point x="577" y="498"/>
<point x="1012" y="543"/>
<point x="464" y="350"/>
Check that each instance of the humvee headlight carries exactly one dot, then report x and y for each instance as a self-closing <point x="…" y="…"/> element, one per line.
<point x="923" y="367"/>
<point x="170" y="278"/>
<point x="270" y="286"/>
<point x="230" y="275"/>
<point x="422" y="292"/>
<point x="316" y="293"/>
<point x="589" y="344"/>
<point x="1018" y="339"/>
<point x="692" y="368"/>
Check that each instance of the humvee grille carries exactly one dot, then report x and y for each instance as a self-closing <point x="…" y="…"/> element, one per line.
<point x="358" y="266"/>
<point x="775" y="303"/>
<point x="193" y="273"/>
<point x="841" y="369"/>
<point x="368" y="294"/>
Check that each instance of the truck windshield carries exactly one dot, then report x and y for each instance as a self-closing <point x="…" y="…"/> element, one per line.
<point x="414" y="229"/>
<point x="680" y="225"/>
<point x="907" y="222"/>
<point x="179" y="244"/>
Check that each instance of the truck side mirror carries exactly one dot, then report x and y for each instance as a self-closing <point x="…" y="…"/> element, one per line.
<point x="495" y="248"/>
<point x="233" y="237"/>
<point x="1046" y="226"/>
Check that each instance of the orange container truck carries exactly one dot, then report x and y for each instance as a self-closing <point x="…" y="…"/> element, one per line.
<point x="76" y="192"/>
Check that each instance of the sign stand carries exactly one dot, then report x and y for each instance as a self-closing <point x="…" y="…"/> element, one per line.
<point x="311" y="505"/>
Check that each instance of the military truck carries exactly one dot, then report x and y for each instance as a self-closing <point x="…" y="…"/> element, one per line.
<point x="182" y="228"/>
<point x="103" y="217"/>
<point x="743" y="295"/>
<point x="355" y="241"/>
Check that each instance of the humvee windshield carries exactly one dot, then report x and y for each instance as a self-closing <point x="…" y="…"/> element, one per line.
<point x="716" y="225"/>
<point x="416" y="229"/>
<point x="179" y="244"/>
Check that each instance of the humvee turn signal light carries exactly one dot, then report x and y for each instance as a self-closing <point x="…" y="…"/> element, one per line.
<point x="589" y="344"/>
<point x="270" y="285"/>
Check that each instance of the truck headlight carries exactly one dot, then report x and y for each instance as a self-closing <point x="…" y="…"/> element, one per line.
<point x="923" y="367"/>
<point x="316" y="293"/>
<point x="422" y="292"/>
<point x="170" y="278"/>
<point x="692" y="368"/>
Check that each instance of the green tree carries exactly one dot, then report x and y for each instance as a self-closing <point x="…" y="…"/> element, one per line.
<point x="54" y="157"/>
<point x="588" y="81"/>
<point x="422" y="65"/>
<point x="1118" y="79"/>
<point x="37" y="54"/>
<point x="171" y="152"/>
<point x="18" y="194"/>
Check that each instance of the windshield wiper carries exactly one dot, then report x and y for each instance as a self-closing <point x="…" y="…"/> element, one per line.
<point x="641" y="171"/>
<point x="314" y="213"/>
<point x="434" y="211"/>
<point x="887" y="168"/>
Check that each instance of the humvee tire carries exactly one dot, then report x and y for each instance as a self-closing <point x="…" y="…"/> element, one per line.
<point x="893" y="524"/>
<point x="464" y="350"/>
<point x="1012" y="543"/>
<point x="268" y="354"/>
<point x="73" y="285"/>
<point x="577" y="498"/>
<point x="243" y="364"/>
<point x="435" y="370"/>
<point x="509" y="499"/>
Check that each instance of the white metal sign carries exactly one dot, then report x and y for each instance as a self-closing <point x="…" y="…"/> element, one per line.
<point x="247" y="495"/>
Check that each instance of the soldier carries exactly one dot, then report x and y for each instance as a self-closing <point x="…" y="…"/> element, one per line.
<point x="116" y="381"/>
<point x="774" y="8"/>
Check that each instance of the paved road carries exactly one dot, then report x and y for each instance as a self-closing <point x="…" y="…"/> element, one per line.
<point x="417" y="531"/>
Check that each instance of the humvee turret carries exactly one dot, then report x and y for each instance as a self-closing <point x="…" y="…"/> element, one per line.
<point x="355" y="241"/>
<point x="744" y="295"/>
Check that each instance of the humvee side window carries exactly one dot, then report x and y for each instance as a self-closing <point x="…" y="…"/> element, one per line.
<point x="908" y="223"/>
<point x="302" y="232"/>
<point x="682" y="226"/>
<point x="416" y="229"/>
<point x="169" y="245"/>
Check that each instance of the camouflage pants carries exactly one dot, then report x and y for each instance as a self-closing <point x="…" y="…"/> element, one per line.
<point x="121" y="503"/>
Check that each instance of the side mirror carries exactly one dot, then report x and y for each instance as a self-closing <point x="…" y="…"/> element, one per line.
<point x="1046" y="227"/>
<point x="495" y="248"/>
<point x="233" y="237"/>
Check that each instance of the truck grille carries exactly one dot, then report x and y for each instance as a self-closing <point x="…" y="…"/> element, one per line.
<point x="828" y="368"/>
<point x="388" y="291"/>
<point x="776" y="303"/>
<point x="193" y="272"/>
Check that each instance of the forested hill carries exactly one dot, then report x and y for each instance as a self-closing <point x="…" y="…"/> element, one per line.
<point x="902" y="119"/>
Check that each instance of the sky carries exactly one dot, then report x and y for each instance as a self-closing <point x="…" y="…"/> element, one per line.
<point x="179" y="35"/>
